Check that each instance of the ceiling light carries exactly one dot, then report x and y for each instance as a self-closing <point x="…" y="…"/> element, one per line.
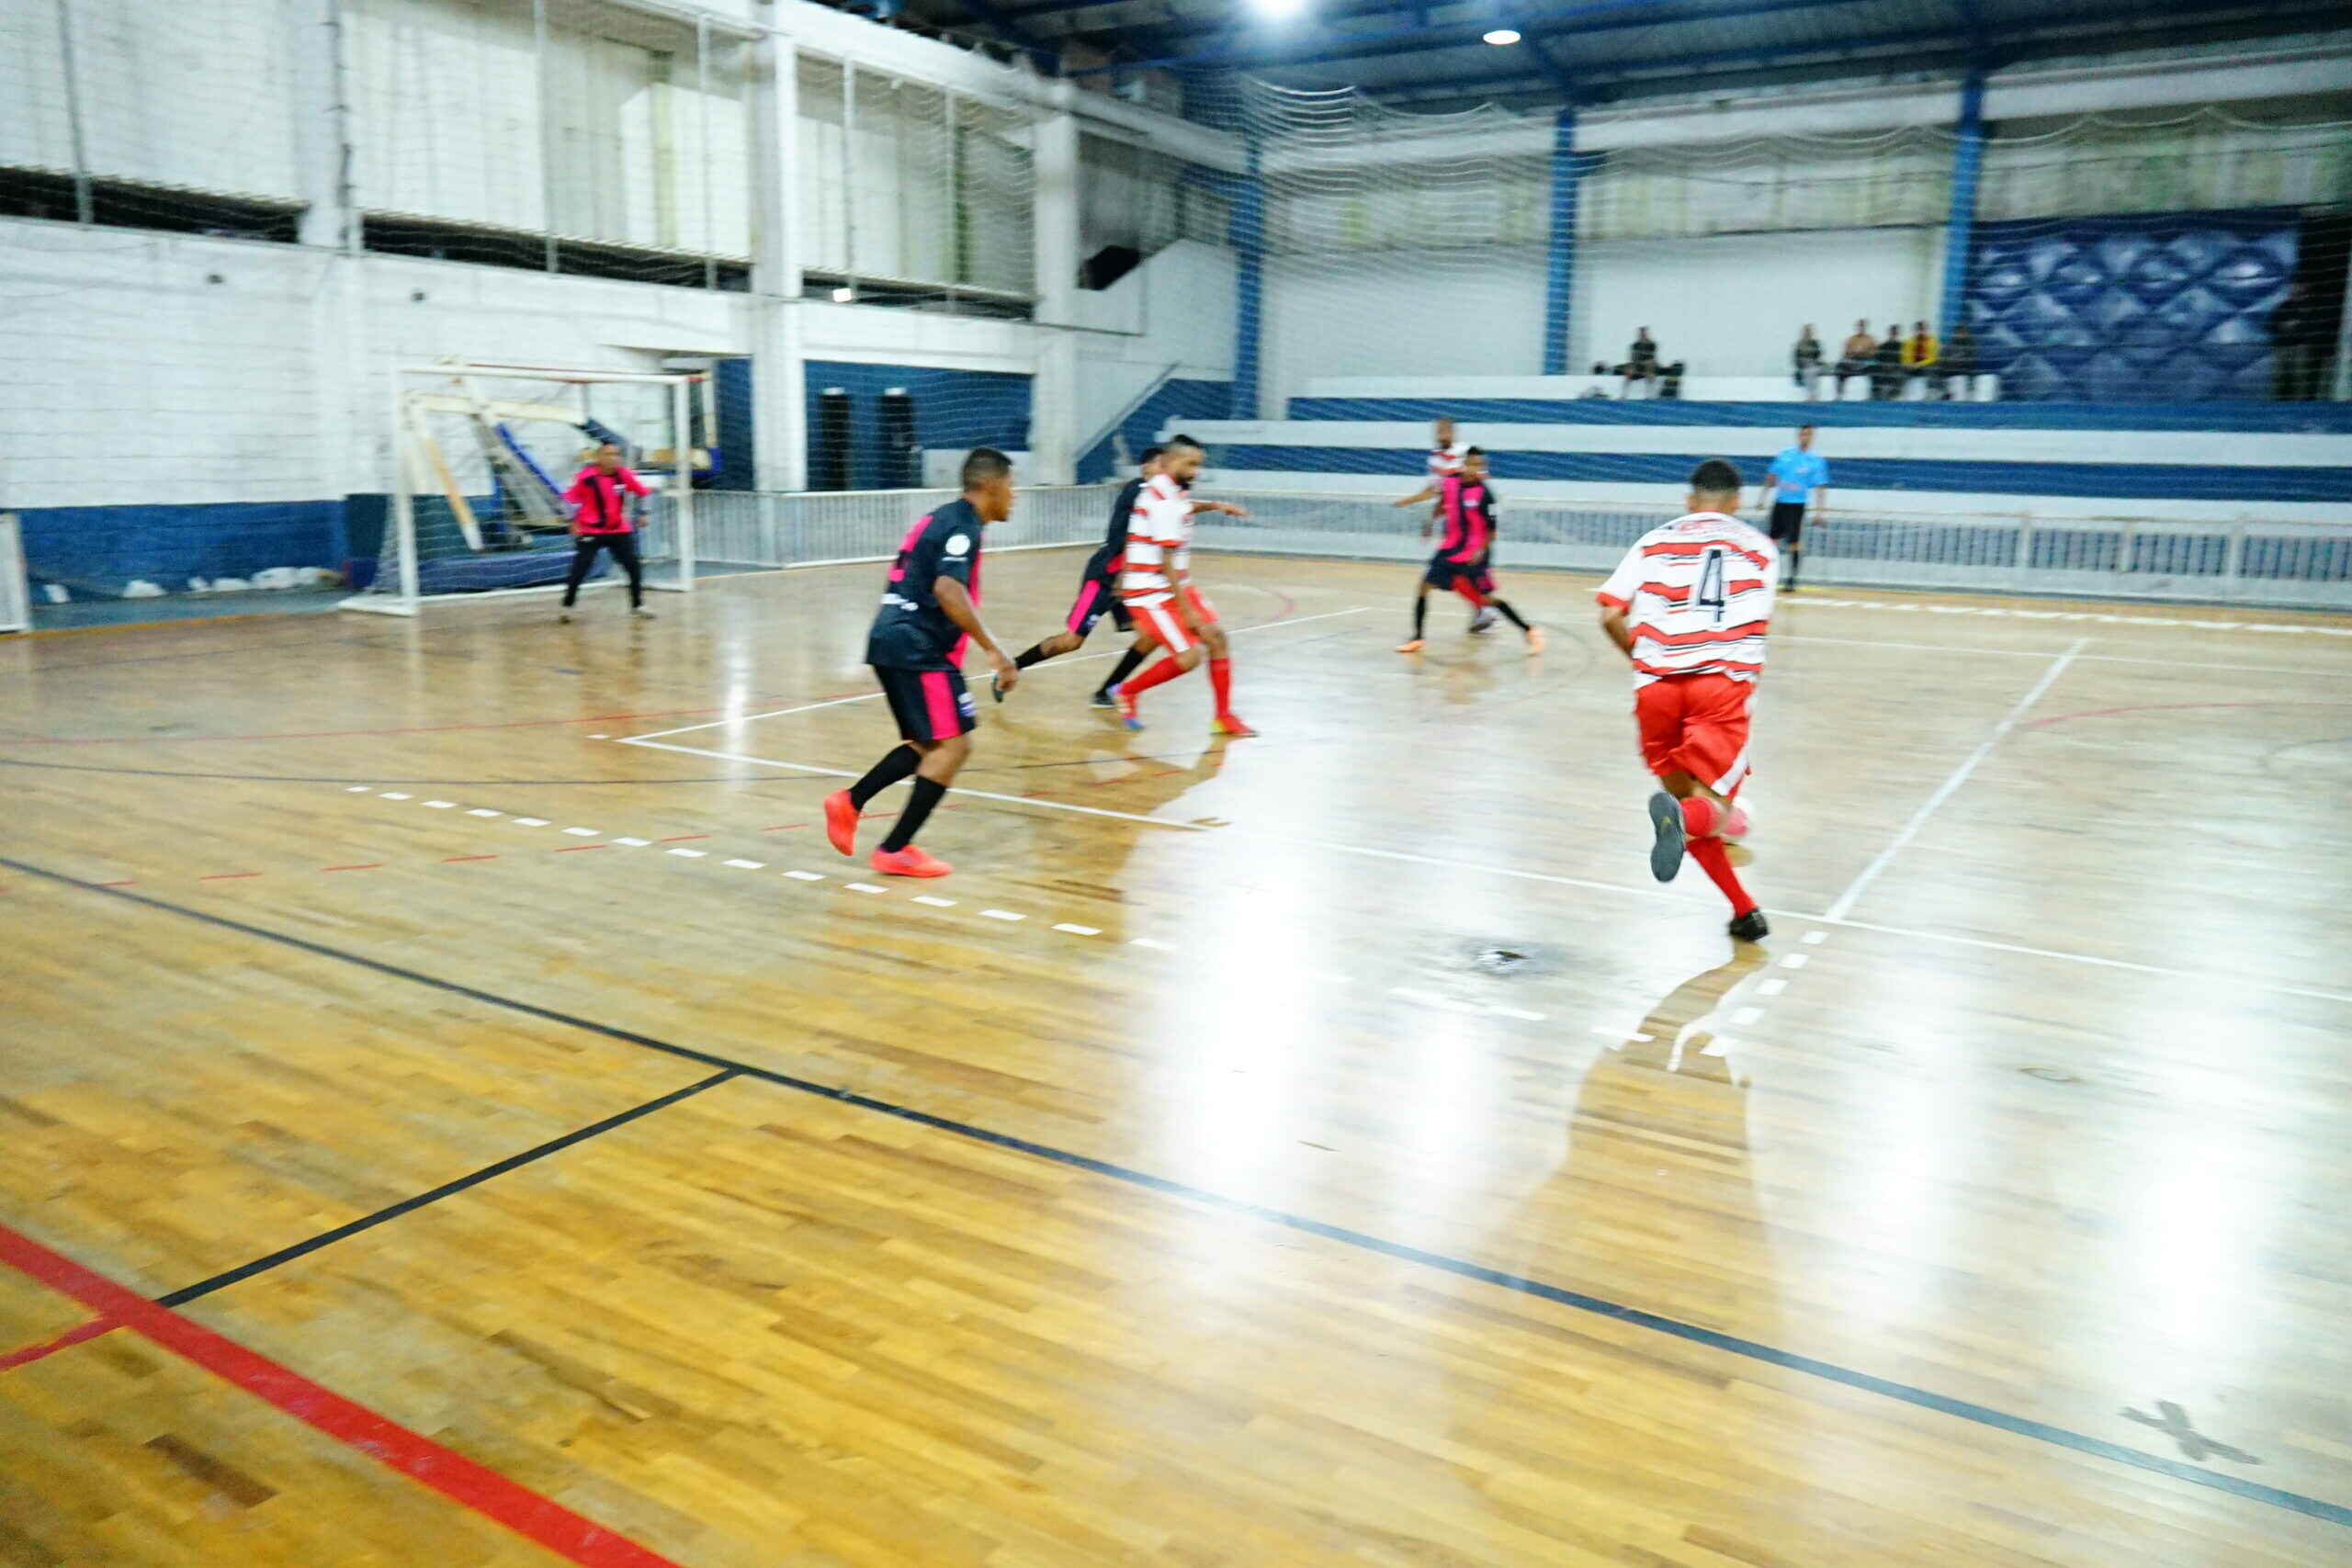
<point x="1503" y="36"/>
<point x="844" y="294"/>
<point x="1280" y="9"/>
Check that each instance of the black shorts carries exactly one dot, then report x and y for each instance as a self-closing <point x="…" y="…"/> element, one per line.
<point x="930" y="704"/>
<point x="1445" y="572"/>
<point x="1788" y="520"/>
<point x="1098" y="595"/>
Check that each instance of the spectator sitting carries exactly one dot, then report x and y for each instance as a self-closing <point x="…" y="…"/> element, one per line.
<point x="1860" y="350"/>
<point x="1919" y="355"/>
<point x="1886" y="379"/>
<point x="1806" y="359"/>
<point x="1958" y="363"/>
<point x="1641" y="360"/>
<point x="1669" y="379"/>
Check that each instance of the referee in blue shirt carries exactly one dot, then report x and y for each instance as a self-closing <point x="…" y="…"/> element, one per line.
<point x="1797" y="475"/>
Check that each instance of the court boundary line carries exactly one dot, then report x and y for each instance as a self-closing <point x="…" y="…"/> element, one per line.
<point x="872" y="697"/>
<point x="1843" y="903"/>
<point x="473" y="1486"/>
<point x="1691" y="1332"/>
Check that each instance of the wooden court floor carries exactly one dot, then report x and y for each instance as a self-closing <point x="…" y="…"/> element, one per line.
<point x="435" y="1130"/>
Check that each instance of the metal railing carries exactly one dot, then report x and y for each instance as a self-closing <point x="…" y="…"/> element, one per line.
<point x="774" y="528"/>
<point x="2283" y="565"/>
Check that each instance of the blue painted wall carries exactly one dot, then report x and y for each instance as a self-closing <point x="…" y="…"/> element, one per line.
<point x="99" y="548"/>
<point x="2162" y="309"/>
<point x="952" y="408"/>
<point x="1175" y="399"/>
<point x="2145" y="481"/>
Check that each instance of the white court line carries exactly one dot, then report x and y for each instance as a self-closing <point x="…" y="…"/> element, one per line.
<point x="1774" y="987"/>
<point x="1958" y="776"/>
<point x="690" y="854"/>
<point x="804" y="876"/>
<point x="1079" y="931"/>
<point x="484" y="811"/>
<point x="863" y="887"/>
<point x="634" y="843"/>
<point x="2050" y="653"/>
<point x="957" y="789"/>
<point x="585" y="832"/>
<point x="1746" y="1015"/>
<point x="934" y="901"/>
<point x="871" y="696"/>
<point x="748" y="865"/>
<point x="1001" y="915"/>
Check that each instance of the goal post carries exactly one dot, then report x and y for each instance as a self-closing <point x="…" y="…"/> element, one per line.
<point x="481" y="455"/>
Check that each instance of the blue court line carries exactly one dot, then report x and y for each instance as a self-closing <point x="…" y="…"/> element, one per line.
<point x="1691" y="1332"/>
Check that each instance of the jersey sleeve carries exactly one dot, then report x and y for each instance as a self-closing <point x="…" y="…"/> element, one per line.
<point x="576" y="496"/>
<point x="1626" y="580"/>
<point x="635" y="486"/>
<point x="1820" y="473"/>
<point x="959" y="551"/>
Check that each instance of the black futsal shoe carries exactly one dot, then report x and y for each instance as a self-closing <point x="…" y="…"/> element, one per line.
<point x="1750" y="927"/>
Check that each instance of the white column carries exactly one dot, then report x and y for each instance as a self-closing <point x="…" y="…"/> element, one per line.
<point x="1053" y="393"/>
<point x="322" y="124"/>
<point x="779" y="393"/>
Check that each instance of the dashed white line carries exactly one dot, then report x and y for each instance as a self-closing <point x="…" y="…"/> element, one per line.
<point x="484" y="811"/>
<point x="1001" y="915"/>
<point x="1796" y="961"/>
<point x="1079" y="931"/>
<point x="440" y="805"/>
<point x="1147" y="941"/>
<point x="635" y="843"/>
<point x="529" y="821"/>
<point x="1771" y="988"/>
<point x="358" y="789"/>
<point x="863" y="887"/>
<point x="1814" y="939"/>
<point x="689" y="854"/>
<point x="804" y="876"/>
<point x="748" y="864"/>
<point x="584" y="832"/>
<point x="395" y="794"/>
<point x="935" y="901"/>
<point x="1517" y="1012"/>
<point x="1746" y="1015"/>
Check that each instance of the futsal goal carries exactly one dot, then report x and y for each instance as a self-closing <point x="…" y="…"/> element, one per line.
<point x="481" y="457"/>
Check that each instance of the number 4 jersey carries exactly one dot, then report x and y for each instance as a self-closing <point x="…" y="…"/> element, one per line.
<point x="1697" y="595"/>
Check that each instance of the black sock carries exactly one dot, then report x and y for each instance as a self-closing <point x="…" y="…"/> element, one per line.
<point x="1788" y="577"/>
<point x="1035" y="654"/>
<point x="1421" y="614"/>
<point x="897" y="765"/>
<point x="926" y="794"/>
<point x="1128" y="664"/>
<point x="1509" y="614"/>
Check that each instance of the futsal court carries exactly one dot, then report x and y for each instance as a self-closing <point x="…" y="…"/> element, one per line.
<point x="461" y="1111"/>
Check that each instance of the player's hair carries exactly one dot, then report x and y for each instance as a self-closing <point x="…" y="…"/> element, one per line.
<point x="983" y="464"/>
<point x="1714" y="477"/>
<point x="1474" y="452"/>
<point x="1150" y="453"/>
<point x="1180" y="440"/>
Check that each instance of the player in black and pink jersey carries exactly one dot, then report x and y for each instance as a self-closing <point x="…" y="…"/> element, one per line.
<point x="1098" y="595"/>
<point x="1466" y="513"/>
<point x="930" y="610"/>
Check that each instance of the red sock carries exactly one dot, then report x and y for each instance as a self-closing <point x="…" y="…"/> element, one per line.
<point x="1716" y="863"/>
<point x="1470" y="593"/>
<point x="1221" y="683"/>
<point x="1166" y="670"/>
<point x="1701" y="818"/>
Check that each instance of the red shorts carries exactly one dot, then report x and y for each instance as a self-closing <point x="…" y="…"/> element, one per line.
<point x="1695" y="725"/>
<point x="1161" y="624"/>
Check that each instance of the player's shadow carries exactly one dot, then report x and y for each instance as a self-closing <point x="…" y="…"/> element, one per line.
<point x="1655" y="1206"/>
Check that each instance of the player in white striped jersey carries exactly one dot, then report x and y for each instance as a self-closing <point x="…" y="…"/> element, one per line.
<point x="1156" y="585"/>
<point x="1690" y="605"/>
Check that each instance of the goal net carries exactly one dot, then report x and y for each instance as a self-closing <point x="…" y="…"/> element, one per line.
<point x="482" y="457"/>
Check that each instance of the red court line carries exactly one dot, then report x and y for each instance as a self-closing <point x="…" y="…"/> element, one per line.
<point x="453" y="860"/>
<point x="227" y="876"/>
<point x="469" y="1485"/>
<point x="65" y="1341"/>
<point x="680" y="838"/>
<point x="371" y="865"/>
<point x="575" y="848"/>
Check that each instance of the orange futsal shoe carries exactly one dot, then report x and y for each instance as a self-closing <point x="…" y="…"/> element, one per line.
<point x="1413" y="647"/>
<point x="841" y="821"/>
<point x="908" y="862"/>
<point x="1536" y="639"/>
<point x="1227" y="724"/>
